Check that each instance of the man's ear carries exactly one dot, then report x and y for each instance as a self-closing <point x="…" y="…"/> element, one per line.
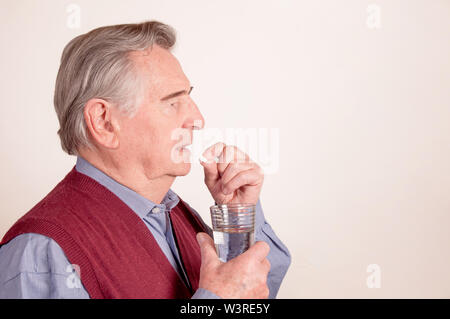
<point x="102" y="122"/>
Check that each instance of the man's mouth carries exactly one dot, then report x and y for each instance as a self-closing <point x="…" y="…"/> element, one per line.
<point x="188" y="146"/>
<point x="185" y="147"/>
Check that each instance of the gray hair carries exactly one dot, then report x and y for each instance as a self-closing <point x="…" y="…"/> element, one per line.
<point x="97" y="64"/>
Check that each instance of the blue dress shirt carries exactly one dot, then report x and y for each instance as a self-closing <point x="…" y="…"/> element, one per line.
<point x="35" y="266"/>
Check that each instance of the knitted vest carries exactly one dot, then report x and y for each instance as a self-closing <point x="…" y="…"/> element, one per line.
<point x="116" y="253"/>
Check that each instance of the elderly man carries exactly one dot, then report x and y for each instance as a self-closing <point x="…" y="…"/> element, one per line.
<point x="113" y="228"/>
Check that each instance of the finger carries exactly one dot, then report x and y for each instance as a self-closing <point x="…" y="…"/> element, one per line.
<point x="207" y="249"/>
<point x="233" y="169"/>
<point x="209" y="164"/>
<point x="231" y="154"/>
<point x="258" y="251"/>
<point x="251" y="177"/>
<point x="266" y="264"/>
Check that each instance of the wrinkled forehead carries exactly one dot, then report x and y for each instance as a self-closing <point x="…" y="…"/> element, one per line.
<point x="160" y="70"/>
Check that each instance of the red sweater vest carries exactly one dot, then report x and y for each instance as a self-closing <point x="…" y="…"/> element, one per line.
<point x="117" y="254"/>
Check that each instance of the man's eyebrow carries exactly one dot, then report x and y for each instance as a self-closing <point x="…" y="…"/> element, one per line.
<point x="172" y="95"/>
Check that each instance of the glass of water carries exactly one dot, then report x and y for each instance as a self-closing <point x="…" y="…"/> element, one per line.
<point x="233" y="229"/>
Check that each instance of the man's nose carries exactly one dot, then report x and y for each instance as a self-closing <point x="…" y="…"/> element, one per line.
<point x="195" y="120"/>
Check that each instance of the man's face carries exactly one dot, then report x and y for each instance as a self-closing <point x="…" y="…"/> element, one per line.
<point x="149" y="139"/>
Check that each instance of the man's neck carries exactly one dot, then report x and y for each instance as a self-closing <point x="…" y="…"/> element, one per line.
<point x="153" y="189"/>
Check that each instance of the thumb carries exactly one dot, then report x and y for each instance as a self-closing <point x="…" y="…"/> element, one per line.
<point x="208" y="161"/>
<point x="207" y="249"/>
<point x="210" y="170"/>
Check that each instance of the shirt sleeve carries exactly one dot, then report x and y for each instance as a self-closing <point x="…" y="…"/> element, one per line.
<point x="279" y="256"/>
<point x="35" y="266"/>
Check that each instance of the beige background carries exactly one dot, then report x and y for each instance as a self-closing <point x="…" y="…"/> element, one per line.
<point x="363" y="116"/>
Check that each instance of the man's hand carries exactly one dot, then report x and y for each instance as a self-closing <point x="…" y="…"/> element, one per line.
<point x="234" y="178"/>
<point x="243" y="277"/>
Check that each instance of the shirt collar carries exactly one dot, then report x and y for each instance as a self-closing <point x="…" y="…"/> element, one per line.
<point x="138" y="203"/>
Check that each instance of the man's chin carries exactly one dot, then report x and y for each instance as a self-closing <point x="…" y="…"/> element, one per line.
<point x="182" y="169"/>
<point x="181" y="160"/>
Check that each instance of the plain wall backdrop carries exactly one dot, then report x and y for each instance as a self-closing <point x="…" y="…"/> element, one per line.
<point x="360" y="95"/>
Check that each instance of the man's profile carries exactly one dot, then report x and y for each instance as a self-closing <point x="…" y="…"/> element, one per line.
<point x="113" y="228"/>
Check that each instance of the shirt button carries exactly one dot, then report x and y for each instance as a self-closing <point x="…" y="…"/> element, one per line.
<point x="155" y="210"/>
